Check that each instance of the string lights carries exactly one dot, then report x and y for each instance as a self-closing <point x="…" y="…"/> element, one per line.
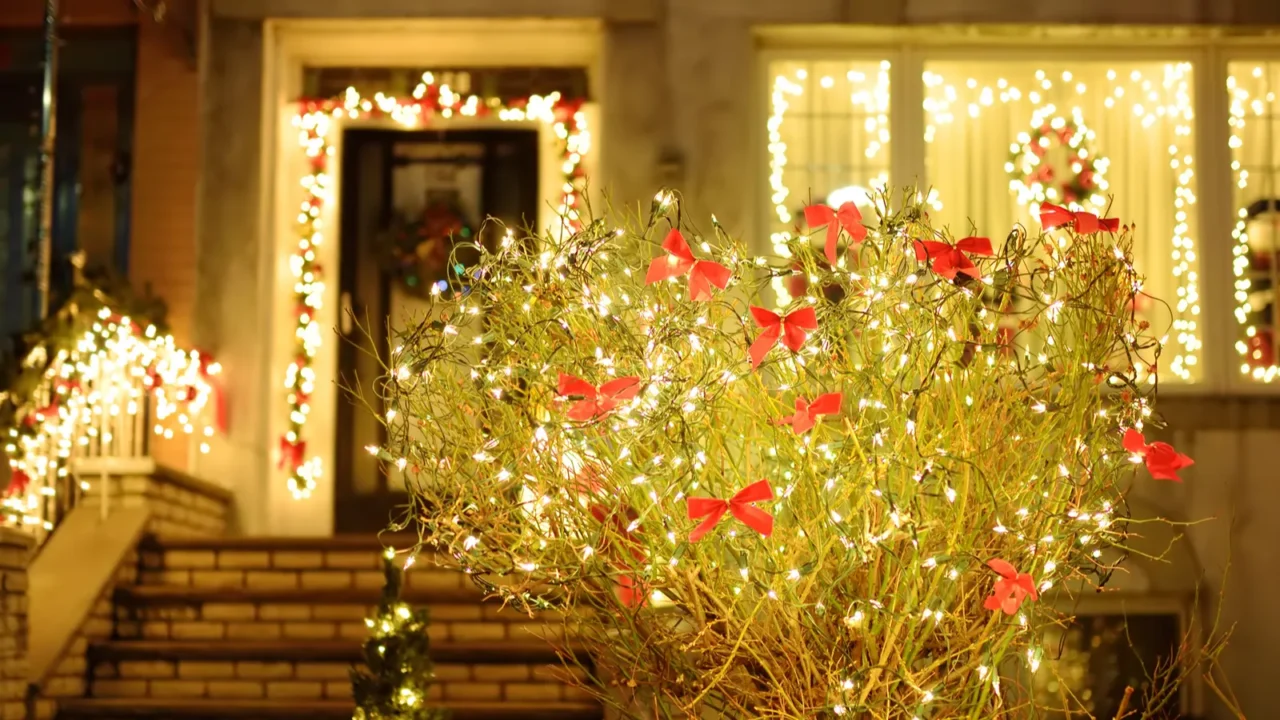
<point x="1250" y="94"/>
<point x="872" y="100"/>
<point x="315" y="122"/>
<point x="93" y="396"/>
<point x="1149" y="99"/>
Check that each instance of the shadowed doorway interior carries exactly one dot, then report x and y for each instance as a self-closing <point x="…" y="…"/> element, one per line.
<point x="404" y="195"/>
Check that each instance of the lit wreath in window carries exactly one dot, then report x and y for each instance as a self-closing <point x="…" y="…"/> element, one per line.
<point x="1053" y="163"/>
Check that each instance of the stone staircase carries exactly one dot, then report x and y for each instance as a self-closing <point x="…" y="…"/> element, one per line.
<point x="268" y="627"/>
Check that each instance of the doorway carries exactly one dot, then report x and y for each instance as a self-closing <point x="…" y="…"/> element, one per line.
<point x="407" y="197"/>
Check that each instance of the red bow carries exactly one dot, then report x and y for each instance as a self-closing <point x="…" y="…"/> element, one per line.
<point x="680" y="260"/>
<point x="631" y="592"/>
<point x="807" y="413"/>
<point x="42" y="414"/>
<point x="216" y="395"/>
<point x="741" y="507"/>
<point x="846" y="218"/>
<point x="18" y="482"/>
<point x="597" y="402"/>
<point x="792" y="328"/>
<point x="1053" y="216"/>
<point x="1011" y="589"/>
<point x="1163" y="462"/>
<point x="292" y="454"/>
<point x="950" y="259"/>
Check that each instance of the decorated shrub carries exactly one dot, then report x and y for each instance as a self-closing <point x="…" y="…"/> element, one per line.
<point x="867" y="503"/>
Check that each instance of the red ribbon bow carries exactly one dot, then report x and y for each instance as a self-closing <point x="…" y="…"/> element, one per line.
<point x="18" y="483"/>
<point x="791" y="328"/>
<point x="846" y="218"/>
<point x="43" y="414"/>
<point x="1011" y="589"/>
<point x="292" y="454"/>
<point x="597" y="402"/>
<point x="680" y="260"/>
<point x="740" y="505"/>
<point x="631" y="591"/>
<point x="216" y="395"/>
<point x="1086" y="223"/>
<point x="1163" y="462"/>
<point x="950" y="259"/>
<point x="807" y="413"/>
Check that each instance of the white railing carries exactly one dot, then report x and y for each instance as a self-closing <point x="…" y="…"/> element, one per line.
<point x="96" y="404"/>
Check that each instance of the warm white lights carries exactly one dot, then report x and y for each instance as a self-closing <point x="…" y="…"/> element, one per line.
<point x="1163" y="97"/>
<point x="429" y="100"/>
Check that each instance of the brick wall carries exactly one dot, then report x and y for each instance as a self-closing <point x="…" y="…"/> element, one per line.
<point x="15" y="551"/>
<point x="181" y="506"/>
<point x="68" y="679"/>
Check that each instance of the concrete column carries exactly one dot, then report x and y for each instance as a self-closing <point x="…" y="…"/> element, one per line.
<point x="634" y="118"/>
<point x="233" y="269"/>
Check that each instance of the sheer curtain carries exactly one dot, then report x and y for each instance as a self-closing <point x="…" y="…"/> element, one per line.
<point x="828" y="132"/>
<point x="1255" y="155"/>
<point x="1140" y="118"/>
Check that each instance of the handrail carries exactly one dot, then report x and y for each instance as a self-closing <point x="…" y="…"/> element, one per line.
<point x="87" y="416"/>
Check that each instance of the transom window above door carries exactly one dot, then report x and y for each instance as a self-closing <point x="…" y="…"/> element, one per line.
<point x="988" y="134"/>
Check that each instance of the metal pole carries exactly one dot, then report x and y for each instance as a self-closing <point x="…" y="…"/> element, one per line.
<point x="48" y="134"/>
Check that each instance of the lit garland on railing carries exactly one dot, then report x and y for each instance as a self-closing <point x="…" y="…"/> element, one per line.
<point x="91" y="402"/>
<point x="1255" y="348"/>
<point x="314" y="121"/>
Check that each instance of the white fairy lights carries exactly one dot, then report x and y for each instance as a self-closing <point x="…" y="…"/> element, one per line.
<point x="1164" y="99"/>
<point x="868" y="87"/>
<point x="315" y="123"/>
<point x="93" y="401"/>
<point x="1253" y="107"/>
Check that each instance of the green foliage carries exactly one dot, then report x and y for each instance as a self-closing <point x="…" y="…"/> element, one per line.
<point x="397" y="672"/>
<point x="981" y="420"/>
<point x="58" y="333"/>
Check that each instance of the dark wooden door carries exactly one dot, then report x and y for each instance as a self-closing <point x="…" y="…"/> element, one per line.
<point x="395" y="184"/>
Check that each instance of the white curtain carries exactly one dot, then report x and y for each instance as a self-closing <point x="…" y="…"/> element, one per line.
<point x="1141" y="119"/>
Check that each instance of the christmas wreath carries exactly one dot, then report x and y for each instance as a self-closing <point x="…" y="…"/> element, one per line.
<point x="1073" y="179"/>
<point x="420" y="248"/>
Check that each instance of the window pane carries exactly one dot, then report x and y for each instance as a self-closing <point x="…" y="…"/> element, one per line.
<point x="1255" y="161"/>
<point x="1002" y="137"/>
<point x="828" y="137"/>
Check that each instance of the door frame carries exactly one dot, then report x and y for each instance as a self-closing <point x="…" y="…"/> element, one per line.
<point x="358" y="511"/>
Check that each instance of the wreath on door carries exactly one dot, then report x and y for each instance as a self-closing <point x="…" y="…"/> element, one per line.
<point x="420" y="247"/>
<point x="1072" y="177"/>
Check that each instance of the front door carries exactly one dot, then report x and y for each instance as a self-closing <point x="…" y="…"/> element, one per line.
<point x="404" y="195"/>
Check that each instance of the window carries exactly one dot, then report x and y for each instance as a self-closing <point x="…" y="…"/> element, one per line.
<point x="1003" y="138"/>
<point x="999" y="138"/>
<point x="1255" y="164"/>
<point x="828" y="137"/>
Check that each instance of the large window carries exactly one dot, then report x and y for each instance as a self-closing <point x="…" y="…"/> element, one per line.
<point x="828" y="137"/>
<point x="998" y="137"/>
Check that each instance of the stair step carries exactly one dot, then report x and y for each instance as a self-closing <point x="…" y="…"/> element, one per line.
<point x="503" y="652"/>
<point x="200" y="709"/>
<point x="371" y="543"/>
<point x="366" y="597"/>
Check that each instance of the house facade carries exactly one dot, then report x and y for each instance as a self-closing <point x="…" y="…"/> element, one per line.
<point x="750" y="108"/>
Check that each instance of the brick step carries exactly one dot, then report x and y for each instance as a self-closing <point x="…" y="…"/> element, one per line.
<point x="315" y="670"/>
<point x="496" y="653"/>
<point x="166" y="613"/>
<point x="128" y="709"/>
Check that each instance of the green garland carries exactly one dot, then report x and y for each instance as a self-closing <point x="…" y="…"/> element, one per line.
<point x="397" y="673"/>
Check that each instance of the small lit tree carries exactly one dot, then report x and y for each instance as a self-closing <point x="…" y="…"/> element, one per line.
<point x="397" y="671"/>
<point x="857" y="504"/>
